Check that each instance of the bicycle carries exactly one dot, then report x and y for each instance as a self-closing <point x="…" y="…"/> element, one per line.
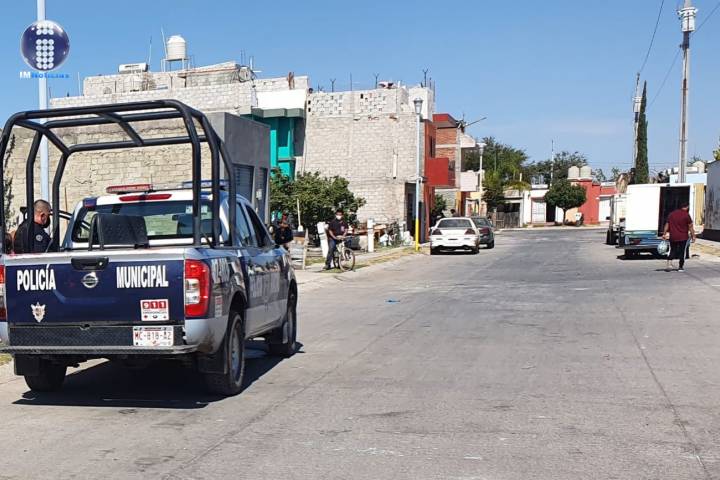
<point x="344" y="257"/>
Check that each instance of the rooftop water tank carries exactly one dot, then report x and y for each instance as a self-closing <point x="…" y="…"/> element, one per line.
<point x="176" y="48"/>
<point x="586" y="172"/>
<point x="573" y="172"/>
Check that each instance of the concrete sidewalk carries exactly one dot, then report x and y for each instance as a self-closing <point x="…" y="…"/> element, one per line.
<point x="365" y="263"/>
<point x="707" y="247"/>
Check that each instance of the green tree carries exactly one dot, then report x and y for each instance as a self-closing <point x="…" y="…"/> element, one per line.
<point x="642" y="172"/>
<point x="506" y="161"/>
<point x="559" y="168"/>
<point x="564" y="195"/>
<point x="615" y="173"/>
<point x="599" y="175"/>
<point x="494" y="190"/>
<point x="319" y="197"/>
<point x="471" y="161"/>
<point x="440" y="206"/>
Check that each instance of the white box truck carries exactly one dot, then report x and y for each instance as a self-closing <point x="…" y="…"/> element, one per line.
<point x="647" y="207"/>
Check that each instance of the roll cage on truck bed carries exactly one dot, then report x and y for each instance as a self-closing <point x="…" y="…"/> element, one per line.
<point x="246" y="285"/>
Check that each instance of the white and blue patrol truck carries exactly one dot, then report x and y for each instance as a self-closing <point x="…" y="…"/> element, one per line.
<point x="143" y="273"/>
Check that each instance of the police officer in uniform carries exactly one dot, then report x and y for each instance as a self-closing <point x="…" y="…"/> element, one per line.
<point x="40" y="221"/>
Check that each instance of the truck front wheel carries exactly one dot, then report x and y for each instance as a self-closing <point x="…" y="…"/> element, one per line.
<point x="50" y="377"/>
<point x="233" y="352"/>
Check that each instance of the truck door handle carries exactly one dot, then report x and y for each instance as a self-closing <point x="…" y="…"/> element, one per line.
<point x="89" y="263"/>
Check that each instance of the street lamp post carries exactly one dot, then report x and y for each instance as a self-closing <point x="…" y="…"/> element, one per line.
<point x="43" y="104"/>
<point x="418" y="113"/>
<point x="481" y="150"/>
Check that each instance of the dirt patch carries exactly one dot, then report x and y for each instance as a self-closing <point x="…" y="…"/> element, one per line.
<point x="4" y="358"/>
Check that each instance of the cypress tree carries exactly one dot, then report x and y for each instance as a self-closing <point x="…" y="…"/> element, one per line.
<point x="641" y="162"/>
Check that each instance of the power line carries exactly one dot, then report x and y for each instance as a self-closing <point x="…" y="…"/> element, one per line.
<point x="652" y="39"/>
<point x="707" y="18"/>
<point x="667" y="75"/>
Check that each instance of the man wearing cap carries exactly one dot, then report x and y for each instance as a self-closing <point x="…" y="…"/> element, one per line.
<point x="337" y="227"/>
<point x="678" y="229"/>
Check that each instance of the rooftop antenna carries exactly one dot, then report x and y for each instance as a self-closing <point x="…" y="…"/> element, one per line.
<point x="150" y="52"/>
<point x="332" y="84"/>
<point x="425" y="77"/>
<point x="162" y="32"/>
<point x="376" y="75"/>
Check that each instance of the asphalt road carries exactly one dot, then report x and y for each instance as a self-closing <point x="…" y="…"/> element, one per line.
<point x="545" y="358"/>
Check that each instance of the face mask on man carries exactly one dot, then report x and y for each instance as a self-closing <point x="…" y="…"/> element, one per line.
<point x="339" y="217"/>
<point x="46" y="223"/>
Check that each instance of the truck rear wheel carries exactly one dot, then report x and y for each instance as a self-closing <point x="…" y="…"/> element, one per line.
<point x="277" y="345"/>
<point x="233" y="351"/>
<point x="50" y="377"/>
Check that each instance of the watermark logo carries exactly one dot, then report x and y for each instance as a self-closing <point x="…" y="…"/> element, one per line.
<point x="27" y="75"/>
<point x="44" y="46"/>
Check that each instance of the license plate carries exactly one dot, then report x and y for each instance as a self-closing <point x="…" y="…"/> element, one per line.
<point x="153" y="336"/>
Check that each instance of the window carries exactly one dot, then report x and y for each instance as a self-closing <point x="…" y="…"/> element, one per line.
<point x="455" y="223"/>
<point x="163" y="220"/>
<point x="244" y="232"/>
<point x="261" y="235"/>
<point x="481" y="221"/>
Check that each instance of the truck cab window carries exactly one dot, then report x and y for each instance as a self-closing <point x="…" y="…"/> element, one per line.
<point x="244" y="231"/>
<point x="261" y="235"/>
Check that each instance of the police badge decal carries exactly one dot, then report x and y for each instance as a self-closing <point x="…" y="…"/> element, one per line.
<point x="38" y="311"/>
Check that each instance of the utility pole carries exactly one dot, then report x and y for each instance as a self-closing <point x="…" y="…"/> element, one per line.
<point x="687" y="21"/>
<point x="43" y="104"/>
<point x="552" y="160"/>
<point x="637" y="99"/>
<point x="418" y="113"/>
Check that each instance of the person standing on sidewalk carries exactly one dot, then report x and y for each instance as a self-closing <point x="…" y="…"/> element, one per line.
<point x="678" y="229"/>
<point x="337" y="228"/>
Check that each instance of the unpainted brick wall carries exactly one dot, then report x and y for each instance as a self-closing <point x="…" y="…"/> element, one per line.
<point x="90" y="173"/>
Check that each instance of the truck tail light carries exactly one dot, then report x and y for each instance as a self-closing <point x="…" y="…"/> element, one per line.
<point x="436" y="232"/>
<point x="197" y="288"/>
<point x="485" y="231"/>
<point x="469" y="231"/>
<point x="3" y="308"/>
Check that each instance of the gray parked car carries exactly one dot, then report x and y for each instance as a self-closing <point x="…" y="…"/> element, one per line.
<point x="486" y="229"/>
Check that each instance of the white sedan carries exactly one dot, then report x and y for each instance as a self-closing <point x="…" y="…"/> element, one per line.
<point x="457" y="233"/>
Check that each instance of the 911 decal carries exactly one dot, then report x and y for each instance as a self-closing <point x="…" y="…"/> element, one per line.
<point x="154" y="310"/>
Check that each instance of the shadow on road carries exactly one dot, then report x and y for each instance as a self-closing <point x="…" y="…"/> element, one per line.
<point x="161" y="385"/>
<point x="640" y="256"/>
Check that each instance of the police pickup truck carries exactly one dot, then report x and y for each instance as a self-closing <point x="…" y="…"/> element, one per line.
<point x="141" y="273"/>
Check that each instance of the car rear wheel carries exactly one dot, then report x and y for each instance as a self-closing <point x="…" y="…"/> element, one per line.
<point x="475" y="250"/>
<point x="230" y="382"/>
<point x="491" y="244"/>
<point x="276" y="343"/>
<point x="50" y="377"/>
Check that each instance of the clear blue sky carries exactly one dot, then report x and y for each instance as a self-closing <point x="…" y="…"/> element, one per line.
<point x="558" y="69"/>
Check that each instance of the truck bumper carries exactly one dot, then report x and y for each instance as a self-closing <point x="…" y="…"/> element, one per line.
<point x="197" y="335"/>
<point x="97" y="351"/>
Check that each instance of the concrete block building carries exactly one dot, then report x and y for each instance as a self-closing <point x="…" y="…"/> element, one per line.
<point x="370" y="138"/>
<point x="225" y="88"/>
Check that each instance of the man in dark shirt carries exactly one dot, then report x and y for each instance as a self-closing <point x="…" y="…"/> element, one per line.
<point x="337" y="228"/>
<point x="678" y="228"/>
<point x="40" y="221"/>
<point x="283" y="232"/>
